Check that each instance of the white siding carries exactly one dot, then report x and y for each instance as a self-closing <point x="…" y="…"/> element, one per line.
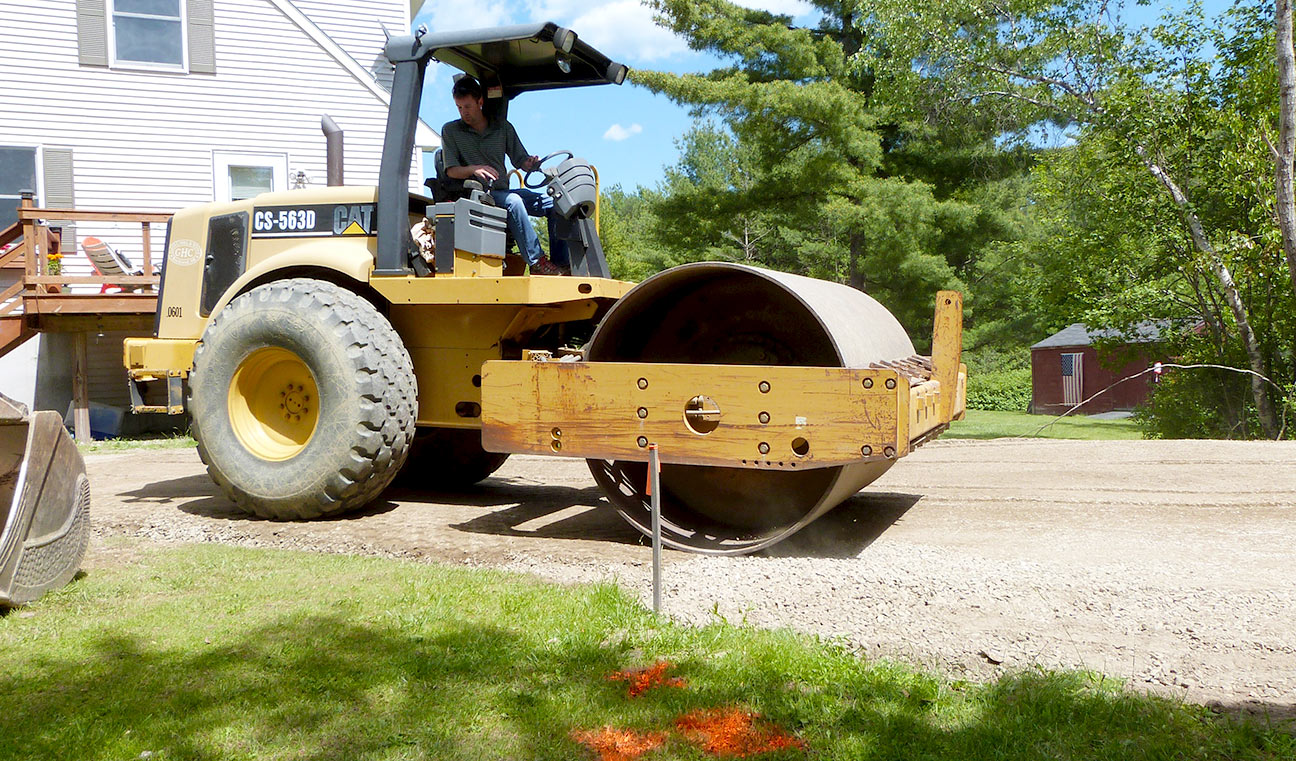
<point x="357" y="26"/>
<point x="143" y="141"/>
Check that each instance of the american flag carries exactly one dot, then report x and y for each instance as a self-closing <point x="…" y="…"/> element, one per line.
<point x="1072" y="377"/>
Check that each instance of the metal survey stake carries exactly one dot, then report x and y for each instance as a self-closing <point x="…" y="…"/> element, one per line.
<point x="654" y="493"/>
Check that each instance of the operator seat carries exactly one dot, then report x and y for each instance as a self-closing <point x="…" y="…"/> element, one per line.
<point x="443" y="186"/>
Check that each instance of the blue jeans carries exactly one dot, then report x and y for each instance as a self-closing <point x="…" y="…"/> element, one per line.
<point x="521" y="203"/>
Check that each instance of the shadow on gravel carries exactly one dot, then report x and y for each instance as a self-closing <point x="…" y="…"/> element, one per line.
<point x="223" y="509"/>
<point x="498" y="492"/>
<point x="546" y="512"/>
<point x="173" y="490"/>
<point x="849" y="529"/>
<point x="556" y="512"/>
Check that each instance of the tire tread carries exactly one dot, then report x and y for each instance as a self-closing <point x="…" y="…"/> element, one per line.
<point x="383" y="370"/>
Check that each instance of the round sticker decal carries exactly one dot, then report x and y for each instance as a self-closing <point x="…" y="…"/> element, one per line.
<point x="185" y="252"/>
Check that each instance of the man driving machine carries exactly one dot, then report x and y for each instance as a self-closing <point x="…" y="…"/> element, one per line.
<point x="473" y="148"/>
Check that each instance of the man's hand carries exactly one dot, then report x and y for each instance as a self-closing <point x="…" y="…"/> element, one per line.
<point x="531" y="163"/>
<point x="484" y="173"/>
<point x="481" y="172"/>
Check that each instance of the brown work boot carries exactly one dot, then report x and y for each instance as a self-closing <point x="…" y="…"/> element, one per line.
<point x="545" y="267"/>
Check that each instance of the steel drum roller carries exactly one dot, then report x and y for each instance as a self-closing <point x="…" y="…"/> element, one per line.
<point x="718" y="313"/>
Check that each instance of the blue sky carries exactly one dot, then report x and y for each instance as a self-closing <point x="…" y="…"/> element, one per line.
<point x="626" y="131"/>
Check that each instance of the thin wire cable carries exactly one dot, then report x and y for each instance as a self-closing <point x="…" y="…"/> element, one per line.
<point x="1281" y="429"/>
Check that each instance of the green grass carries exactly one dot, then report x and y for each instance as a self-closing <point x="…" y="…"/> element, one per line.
<point x="123" y="445"/>
<point x="226" y="653"/>
<point x="985" y="424"/>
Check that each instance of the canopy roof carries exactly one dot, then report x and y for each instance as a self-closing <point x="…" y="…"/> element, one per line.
<point x="523" y="58"/>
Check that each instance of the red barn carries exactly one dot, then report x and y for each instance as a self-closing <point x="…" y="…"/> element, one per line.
<point x="1066" y="369"/>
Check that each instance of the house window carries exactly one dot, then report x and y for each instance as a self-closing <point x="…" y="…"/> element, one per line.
<point x="17" y="173"/>
<point x="240" y="176"/>
<point x="148" y="33"/>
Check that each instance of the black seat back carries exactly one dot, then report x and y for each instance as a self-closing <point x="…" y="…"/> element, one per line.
<point x="441" y="186"/>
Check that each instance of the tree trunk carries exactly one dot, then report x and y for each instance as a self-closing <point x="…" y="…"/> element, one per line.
<point x="1285" y="151"/>
<point x="855" y="273"/>
<point x="1234" y="299"/>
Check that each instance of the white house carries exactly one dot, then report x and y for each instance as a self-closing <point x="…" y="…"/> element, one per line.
<point x="154" y="105"/>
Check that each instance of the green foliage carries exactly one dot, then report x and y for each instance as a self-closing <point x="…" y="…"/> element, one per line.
<point x="998" y="378"/>
<point x="996" y="424"/>
<point x="163" y="441"/>
<point x="625" y="230"/>
<point x="224" y="653"/>
<point x="1004" y="390"/>
<point x="1151" y="114"/>
<point x="1182" y="407"/>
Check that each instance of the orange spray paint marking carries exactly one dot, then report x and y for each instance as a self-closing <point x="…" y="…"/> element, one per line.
<point x="618" y="744"/>
<point x="642" y="680"/>
<point x="648" y="487"/>
<point x="734" y="732"/>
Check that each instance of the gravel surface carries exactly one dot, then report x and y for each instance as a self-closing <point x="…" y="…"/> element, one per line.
<point x="1166" y="564"/>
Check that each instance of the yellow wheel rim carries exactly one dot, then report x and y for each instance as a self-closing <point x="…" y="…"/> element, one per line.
<point x="273" y="404"/>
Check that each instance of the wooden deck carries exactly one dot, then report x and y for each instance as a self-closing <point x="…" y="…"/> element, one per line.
<point x="40" y="301"/>
<point x="51" y="302"/>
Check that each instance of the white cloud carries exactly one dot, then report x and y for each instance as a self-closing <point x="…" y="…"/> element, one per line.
<point x="465" y="14"/>
<point x="618" y="133"/>
<point x="624" y="30"/>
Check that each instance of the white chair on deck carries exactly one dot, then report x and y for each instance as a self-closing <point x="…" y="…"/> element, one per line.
<point x="109" y="262"/>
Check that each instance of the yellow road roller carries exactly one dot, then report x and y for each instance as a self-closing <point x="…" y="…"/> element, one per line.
<point x="322" y="340"/>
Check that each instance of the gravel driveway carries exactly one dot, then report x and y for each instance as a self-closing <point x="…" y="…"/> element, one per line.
<point x="1170" y="564"/>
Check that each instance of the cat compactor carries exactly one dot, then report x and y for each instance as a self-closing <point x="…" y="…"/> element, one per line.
<point x="324" y="339"/>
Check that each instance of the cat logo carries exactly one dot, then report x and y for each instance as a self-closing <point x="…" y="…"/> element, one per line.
<point x="356" y="219"/>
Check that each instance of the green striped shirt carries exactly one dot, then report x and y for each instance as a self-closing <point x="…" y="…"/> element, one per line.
<point x="462" y="145"/>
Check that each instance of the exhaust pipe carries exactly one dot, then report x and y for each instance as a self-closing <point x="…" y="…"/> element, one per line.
<point x="333" y="143"/>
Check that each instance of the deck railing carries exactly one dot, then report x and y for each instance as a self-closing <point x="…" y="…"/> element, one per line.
<point x="32" y="243"/>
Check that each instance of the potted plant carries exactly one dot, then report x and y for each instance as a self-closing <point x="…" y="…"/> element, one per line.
<point x="54" y="266"/>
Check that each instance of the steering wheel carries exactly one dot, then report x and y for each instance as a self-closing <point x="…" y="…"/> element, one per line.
<point x="545" y="175"/>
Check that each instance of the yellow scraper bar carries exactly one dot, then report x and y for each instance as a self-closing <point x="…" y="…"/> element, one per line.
<point x="757" y="417"/>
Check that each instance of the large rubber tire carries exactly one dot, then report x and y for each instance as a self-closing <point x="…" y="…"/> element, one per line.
<point x="448" y="459"/>
<point x="349" y="438"/>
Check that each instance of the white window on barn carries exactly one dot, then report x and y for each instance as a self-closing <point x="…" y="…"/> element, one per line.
<point x="17" y="173"/>
<point x="239" y="176"/>
<point x="148" y="33"/>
